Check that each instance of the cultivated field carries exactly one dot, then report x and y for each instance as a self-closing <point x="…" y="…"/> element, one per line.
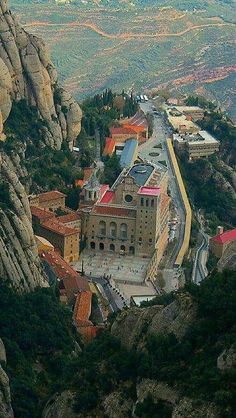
<point x="141" y="48"/>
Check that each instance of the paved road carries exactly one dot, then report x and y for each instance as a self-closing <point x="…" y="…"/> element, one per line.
<point x="199" y="268"/>
<point x="115" y="301"/>
<point x="161" y="131"/>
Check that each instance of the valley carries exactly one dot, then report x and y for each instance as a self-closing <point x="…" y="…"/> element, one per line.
<point x="96" y="47"/>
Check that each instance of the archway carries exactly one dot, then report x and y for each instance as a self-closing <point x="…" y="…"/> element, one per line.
<point x="92" y="245"/>
<point x="122" y="248"/>
<point x="131" y="250"/>
<point x="123" y="231"/>
<point x="102" y="228"/>
<point x="101" y="246"/>
<point x="113" y="230"/>
<point x="112" y="247"/>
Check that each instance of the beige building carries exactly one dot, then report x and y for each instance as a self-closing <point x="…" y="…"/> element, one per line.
<point x="180" y="122"/>
<point x="195" y="112"/>
<point x="198" y="145"/>
<point x="64" y="239"/>
<point x="49" y="200"/>
<point x="132" y="216"/>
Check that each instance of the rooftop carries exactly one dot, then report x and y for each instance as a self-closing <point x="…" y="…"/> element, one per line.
<point x="72" y="280"/>
<point x="55" y="226"/>
<point x="177" y="120"/>
<point x="201" y="137"/>
<point x="70" y="217"/>
<point x="227" y="236"/>
<point x="122" y="131"/>
<point x="48" y="196"/>
<point x="82" y="309"/>
<point x="149" y="191"/>
<point x="109" y="147"/>
<point x="107" y="197"/>
<point x="127" y="156"/>
<point x="138" y="119"/>
<point x="41" y="214"/>
<point x="141" y="173"/>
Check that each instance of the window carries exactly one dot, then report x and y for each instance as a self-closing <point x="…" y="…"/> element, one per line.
<point x="102" y="228"/>
<point x="92" y="245"/>
<point x="123" y="231"/>
<point x="131" y="250"/>
<point x="147" y="202"/>
<point x="128" y="198"/>
<point x="112" y="247"/>
<point x="113" y="230"/>
<point x="122" y="248"/>
<point x="101" y="246"/>
<point x="142" y="201"/>
<point x="152" y="203"/>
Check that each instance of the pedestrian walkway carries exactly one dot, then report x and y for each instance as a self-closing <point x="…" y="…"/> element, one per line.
<point x="121" y="268"/>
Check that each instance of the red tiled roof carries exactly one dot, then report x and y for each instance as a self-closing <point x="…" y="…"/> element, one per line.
<point x="82" y="309"/>
<point x="103" y="189"/>
<point x="109" y="147"/>
<point x="69" y="217"/>
<point x="113" y="211"/>
<point x="53" y="195"/>
<point x="122" y="131"/>
<point x="227" y="236"/>
<point x="108" y="196"/>
<point x="72" y="280"/>
<point x="55" y="226"/>
<point x="41" y="214"/>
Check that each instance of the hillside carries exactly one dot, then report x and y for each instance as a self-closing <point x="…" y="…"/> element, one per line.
<point x="186" y="46"/>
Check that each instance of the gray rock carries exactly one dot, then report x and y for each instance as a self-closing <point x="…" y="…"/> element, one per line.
<point x="227" y="359"/>
<point x="134" y="325"/>
<point x="26" y="72"/>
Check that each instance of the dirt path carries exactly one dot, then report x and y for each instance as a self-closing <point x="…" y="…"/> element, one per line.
<point x="129" y="36"/>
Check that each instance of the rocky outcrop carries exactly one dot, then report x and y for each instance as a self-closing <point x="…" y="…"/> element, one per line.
<point x="228" y="259"/>
<point x="5" y="396"/>
<point x="60" y="406"/>
<point x="19" y="261"/>
<point x="26" y="72"/>
<point x="134" y="325"/>
<point x="227" y="359"/>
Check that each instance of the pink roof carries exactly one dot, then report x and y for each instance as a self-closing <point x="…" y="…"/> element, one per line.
<point x="149" y="191"/>
<point x="225" y="237"/>
<point x="103" y="189"/>
<point x="108" y="196"/>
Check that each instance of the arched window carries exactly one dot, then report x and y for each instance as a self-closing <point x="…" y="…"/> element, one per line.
<point x="92" y="245"/>
<point x="112" y="247"/>
<point x="131" y="250"/>
<point x="113" y="230"/>
<point x="101" y="246"/>
<point x="152" y="203"/>
<point x="102" y="228"/>
<point x="123" y="231"/>
<point x="122" y="248"/>
<point x="147" y="202"/>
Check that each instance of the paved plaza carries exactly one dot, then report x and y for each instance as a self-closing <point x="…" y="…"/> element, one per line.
<point x="121" y="268"/>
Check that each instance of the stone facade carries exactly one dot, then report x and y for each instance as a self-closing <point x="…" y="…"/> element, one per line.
<point x="131" y="217"/>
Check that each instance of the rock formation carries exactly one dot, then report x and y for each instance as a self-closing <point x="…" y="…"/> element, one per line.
<point x="19" y="262"/>
<point x="26" y="72"/>
<point x="5" y="397"/>
<point x="134" y="325"/>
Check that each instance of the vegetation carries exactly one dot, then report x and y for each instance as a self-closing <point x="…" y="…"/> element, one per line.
<point x="112" y="169"/>
<point x="38" y="336"/>
<point x="101" y="112"/>
<point x="206" y="193"/>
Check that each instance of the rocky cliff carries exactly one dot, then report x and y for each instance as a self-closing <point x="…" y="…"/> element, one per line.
<point x="26" y="71"/>
<point x="134" y="325"/>
<point x="5" y="397"/>
<point x="19" y="262"/>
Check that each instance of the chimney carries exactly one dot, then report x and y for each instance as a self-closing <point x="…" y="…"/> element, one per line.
<point x="219" y="230"/>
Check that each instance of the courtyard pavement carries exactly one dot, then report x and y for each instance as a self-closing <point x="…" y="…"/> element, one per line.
<point x="126" y="269"/>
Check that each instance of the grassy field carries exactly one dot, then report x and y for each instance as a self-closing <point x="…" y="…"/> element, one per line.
<point x="182" y="47"/>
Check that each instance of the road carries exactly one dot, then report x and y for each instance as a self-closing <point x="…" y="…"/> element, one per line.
<point x="115" y="300"/>
<point x="199" y="268"/>
<point x="161" y="131"/>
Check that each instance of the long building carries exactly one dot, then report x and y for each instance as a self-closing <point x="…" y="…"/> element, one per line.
<point x="198" y="145"/>
<point x="132" y="216"/>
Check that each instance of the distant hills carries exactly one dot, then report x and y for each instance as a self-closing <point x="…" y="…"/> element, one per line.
<point x="141" y="44"/>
